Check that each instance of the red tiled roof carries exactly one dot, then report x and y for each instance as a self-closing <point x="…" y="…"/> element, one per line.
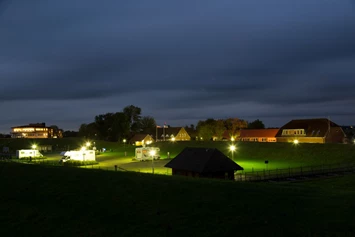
<point x="268" y="132"/>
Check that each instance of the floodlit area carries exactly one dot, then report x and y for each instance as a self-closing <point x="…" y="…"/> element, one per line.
<point x="108" y="161"/>
<point x="253" y="157"/>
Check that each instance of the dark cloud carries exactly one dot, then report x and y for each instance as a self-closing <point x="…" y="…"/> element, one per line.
<point x="179" y="61"/>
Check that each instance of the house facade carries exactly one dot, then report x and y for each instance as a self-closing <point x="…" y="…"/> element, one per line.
<point x="33" y="130"/>
<point x="320" y="130"/>
<point x="172" y="134"/>
<point x="141" y="139"/>
<point x="258" y="135"/>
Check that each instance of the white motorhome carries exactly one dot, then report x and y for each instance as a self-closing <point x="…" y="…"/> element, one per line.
<point x="147" y="153"/>
<point x="87" y="155"/>
<point x="28" y="153"/>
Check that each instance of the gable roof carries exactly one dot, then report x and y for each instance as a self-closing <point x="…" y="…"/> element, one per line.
<point x="317" y="127"/>
<point x="202" y="160"/>
<point x="138" y="137"/>
<point x="267" y="132"/>
<point x="168" y="131"/>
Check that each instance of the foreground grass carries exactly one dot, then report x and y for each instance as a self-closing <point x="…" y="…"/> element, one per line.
<point x="59" y="201"/>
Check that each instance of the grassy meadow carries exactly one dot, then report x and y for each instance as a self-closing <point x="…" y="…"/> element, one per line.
<point x="39" y="200"/>
<point x="42" y="200"/>
<point x="250" y="155"/>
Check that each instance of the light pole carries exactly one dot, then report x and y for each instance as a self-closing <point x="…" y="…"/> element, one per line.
<point x="34" y="146"/>
<point x="232" y="149"/>
<point x="124" y="142"/>
<point x="83" y="150"/>
<point x="152" y="154"/>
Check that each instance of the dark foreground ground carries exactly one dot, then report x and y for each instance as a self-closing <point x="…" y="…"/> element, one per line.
<point x="59" y="201"/>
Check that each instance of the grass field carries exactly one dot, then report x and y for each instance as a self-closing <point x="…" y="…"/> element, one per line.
<point x="60" y="201"/>
<point x="251" y="156"/>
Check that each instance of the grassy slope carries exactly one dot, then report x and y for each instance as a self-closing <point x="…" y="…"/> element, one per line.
<point x="57" y="201"/>
<point x="249" y="155"/>
<point x="280" y="155"/>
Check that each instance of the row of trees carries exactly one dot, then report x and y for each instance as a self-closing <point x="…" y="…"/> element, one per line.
<point x="209" y="128"/>
<point x="124" y="124"/>
<point x="119" y="125"/>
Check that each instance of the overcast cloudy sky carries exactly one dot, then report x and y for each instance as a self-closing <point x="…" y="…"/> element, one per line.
<point x="63" y="62"/>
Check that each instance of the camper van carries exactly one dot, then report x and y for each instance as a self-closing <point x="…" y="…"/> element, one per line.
<point x="145" y="153"/>
<point x="20" y="154"/>
<point x="87" y="155"/>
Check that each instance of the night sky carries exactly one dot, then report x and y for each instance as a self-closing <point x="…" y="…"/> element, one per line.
<point x="63" y="62"/>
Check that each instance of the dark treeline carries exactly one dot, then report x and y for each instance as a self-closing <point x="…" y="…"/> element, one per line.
<point x="128" y="122"/>
<point x="209" y="128"/>
<point x="118" y="126"/>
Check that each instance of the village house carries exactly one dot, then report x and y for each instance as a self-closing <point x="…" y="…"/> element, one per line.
<point x="203" y="162"/>
<point x="172" y="134"/>
<point x="319" y="130"/>
<point x="35" y="130"/>
<point x="258" y="135"/>
<point x="141" y="139"/>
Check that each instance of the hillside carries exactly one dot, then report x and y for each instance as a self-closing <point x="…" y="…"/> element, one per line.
<point x="58" y="201"/>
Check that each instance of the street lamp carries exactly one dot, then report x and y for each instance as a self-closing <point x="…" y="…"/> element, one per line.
<point x="124" y="142"/>
<point x="295" y="141"/>
<point x="87" y="144"/>
<point x="152" y="154"/>
<point x="232" y="149"/>
<point x="173" y="139"/>
<point x="34" y="146"/>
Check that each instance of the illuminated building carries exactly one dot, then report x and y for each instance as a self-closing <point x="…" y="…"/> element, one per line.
<point x="35" y="130"/>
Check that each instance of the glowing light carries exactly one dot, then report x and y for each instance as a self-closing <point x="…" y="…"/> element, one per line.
<point x="232" y="148"/>
<point x="124" y="140"/>
<point x="295" y="141"/>
<point x="88" y="144"/>
<point x="152" y="152"/>
<point x="83" y="148"/>
<point x="34" y="146"/>
<point x="173" y="139"/>
<point x="232" y="139"/>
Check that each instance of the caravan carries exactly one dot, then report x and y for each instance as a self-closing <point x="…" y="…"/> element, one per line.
<point x="87" y="155"/>
<point x="28" y="153"/>
<point x="147" y="153"/>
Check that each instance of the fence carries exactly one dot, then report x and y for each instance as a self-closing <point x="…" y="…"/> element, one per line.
<point x="297" y="172"/>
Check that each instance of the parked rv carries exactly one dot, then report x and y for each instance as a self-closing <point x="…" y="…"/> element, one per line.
<point x="147" y="153"/>
<point x="28" y="153"/>
<point x="87" y="155"/>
